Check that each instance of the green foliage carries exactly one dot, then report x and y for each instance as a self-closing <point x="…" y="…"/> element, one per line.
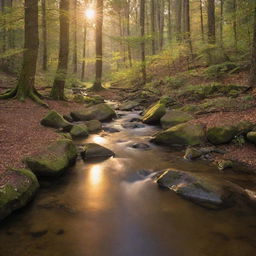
<point x="175" y="82"/>
<point x="217" y="71"/>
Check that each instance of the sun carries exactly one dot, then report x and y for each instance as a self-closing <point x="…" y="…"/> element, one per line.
<point x="90" y="13"/>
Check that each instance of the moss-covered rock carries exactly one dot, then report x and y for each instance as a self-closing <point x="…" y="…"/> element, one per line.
<point x="100" y="112"/>
<point x="96" y="99"/>
<point x="154" y="113"/>
<point x="54" y="160"/>
<point x="220" y="135"/>
<point x="55" y="120"/>
<point x="93" y="126"/>
<point x="129" y="105"/>
<point x="17" y="188"/>
<point x="174" y="117"/>
<point x="79" y="131"/>
<point x="93" y="150"/>
<point x="182" y="134"/>
<point x="251" y="136"/>
<point x="197" y="189"/>
<point x="192" y="153"/>
<point x="79" y="98"/>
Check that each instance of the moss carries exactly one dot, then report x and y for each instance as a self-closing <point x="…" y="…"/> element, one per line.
<point x="93" y="125"/>
<point x="79" y="131"/>
<point x="221" y="135"/>
<point x="251" y="136"/>
<point x="154" y="114"/>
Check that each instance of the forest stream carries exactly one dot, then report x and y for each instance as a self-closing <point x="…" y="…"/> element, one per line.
<point x="111" y="208"/>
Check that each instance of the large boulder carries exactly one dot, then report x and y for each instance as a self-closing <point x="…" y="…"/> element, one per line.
<point x="17" y="188"/>
<point x="200" y="190"/>
<point x="181" y="134"/>
<point x="93" y="126"/>
<point x="54" y="160"/>
<point x="154" y="113"/>
<point x="55" y="120"/>
<point x="174" y="117"/>
<point x="251" y="136"/>
<point x="129" y="105"/>
<point x="79" y="131"/>
<point x="93" y="150"/>
<point x="100" y="112"/>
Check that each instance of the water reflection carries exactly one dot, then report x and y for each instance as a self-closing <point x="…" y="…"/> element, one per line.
<point x="98" y="139"/>
<point x="95" y="175"/>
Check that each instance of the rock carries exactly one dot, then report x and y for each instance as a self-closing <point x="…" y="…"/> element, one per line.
<point x="133" y="125"/>
<point x="142" y="146"/>
<point x="135" y="119"/>
<point x="93" y="126"/>
<point x="154" y="113"/>
<point x="129" y="105"/>
<point x="17" y="188"/>
<point x="181" y="134"/>
<point x="100" y="112"/>
<point x="251" y="136"/>
<point x="79" y="98"/>
<point x="221" y="135"/>
<point x="66" y="136"/>
<point x="200" y="190"/>
<point x="54" y="160"/>
<point x="192" y="153"/>
<point x="55" y="120"/>
<point x="96" y="99"/>
<point x="68" y="118"/>
<point x="110" y="129"/>
<point x="174" y="117"/>
<point x="79" y="131"/>
<point x="93" y="150"/>
<point x="224" y="164"/>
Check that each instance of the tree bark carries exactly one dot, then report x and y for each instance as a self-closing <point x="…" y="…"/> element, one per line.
<point x="142" y="45"/>
<point x="98" y="45"/>
<point x="235" y="23"/>
<point x="211" y="22"/>
<point x="252" y="78"/>
<point x="178" y="19"/>
<point x="187" y="30"/>
<point x="202" y="20"/>
<point x="75" y="37"/>
<point x="44" y="36"/>
<point x="221" y="21"/>
<point x="84" y="51"/>
<point x="169" y="23"/>
<point x="57" y="92"/>
<point x="153" y="27"/>
<point x="128" y="32"/>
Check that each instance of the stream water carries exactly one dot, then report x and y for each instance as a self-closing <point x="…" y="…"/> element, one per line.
<point x="106" y="209"/>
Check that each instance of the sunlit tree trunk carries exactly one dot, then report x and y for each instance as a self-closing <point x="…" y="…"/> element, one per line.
<point x="178" y="11"/>
<point x="57" y="92"/>
<point x="187" y="29"/>
<point x="221" y="20"/>
<point x="252" y="78"/>
<point x="128" y="32"/>
<point x="142" y="45"/>
<point x="26" y="83"/>
<point x="211" y="21"/>
<point x="169" y="23"/>
<point x="44" y="35"/>
<point x="235" y="23"/>
<point x="98" y="34"/>
<point x="153" y="26"/>
<point x="75" y="38"/>
<point x="201" y="20"/>
<point x="84" y="51"/>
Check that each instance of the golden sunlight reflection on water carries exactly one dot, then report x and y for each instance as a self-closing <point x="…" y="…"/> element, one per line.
<point x="95" y="175"/>
<point x="98" y="139"/>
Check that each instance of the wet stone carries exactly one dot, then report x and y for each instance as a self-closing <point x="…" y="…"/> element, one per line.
<point x="38" y="233"/>
<point x="142" y="146"/>
<point x="132" y="125"/>
<point x="110" y="129"/>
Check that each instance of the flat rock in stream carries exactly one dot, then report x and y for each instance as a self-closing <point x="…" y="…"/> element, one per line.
<point x="142" y="146"/>
<point x="129" y="105"/>
<point x="201" y="190"/>
<point x="110" y="129"/>
<point x="133" y="125"/>
<point x="93" y="126"/>
<point x="93" y="150"/>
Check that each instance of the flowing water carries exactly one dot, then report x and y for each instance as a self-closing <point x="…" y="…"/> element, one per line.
<point x="106" y="209"/>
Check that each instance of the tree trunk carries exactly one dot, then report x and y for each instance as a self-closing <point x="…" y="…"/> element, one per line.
<point x="98" y="35"/>
<point x="178" y="19"/>
<point x="235" y="23"/>
<point x="57" y="92"/>
<point x="187" y="30"/>
<point x="84" y="52"/>
<point x="252" y="78"/>
<point x="142" y="45"/>
<point x="44" y="36"/>
<point x="75" y="37"/>
<point x="221" y="21"/>
<point x="128" y="32"/>
<point x="26" y="83"/>
<point x="202" y="20"/>
<point x="211" y="21"/>
<point x="169" y="24"/>
<point x="153" y="27"/>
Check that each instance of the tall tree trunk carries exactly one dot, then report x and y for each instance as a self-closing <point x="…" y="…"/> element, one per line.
<point x="235" y="23"/>
<point x="84" y="51"/>
<point x="169" y="23"/>
<point x="57" y="92"/>
<point x="98" y="65"/>
<point x="153" y="32"/>
<point x="178" y="9"/>
<point x="187" y="28"/>
<point x="211" y="21"/>
<point x="128" y="32"/>
<point x="161" y="24"/>
<point x="202" y="20"/>
<point x="142" y="45"/>
<point x="75" y="37"/>
<point x="252" y="78"/>
<point x="221" y="21"/>
<point x="26" y="83"/>
<point x="44" y="36"/>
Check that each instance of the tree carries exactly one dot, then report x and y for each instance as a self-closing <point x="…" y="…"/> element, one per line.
<point x="211" y="21"/>
<point x="84" y="50"/>
<point x="26" y="83"/>
<point x="178" y="11"/>
<point x="142" y="45"/>
<point x="44" y="35"/>
<point x="98" y="37"/>
<point x="201" y="20"/>
<point x="153" y="26"/>
<point x="57" y="92"/>
<point x="187" y="31"/>
<point x="75" y="37"/>
<point x="252" y="78"/>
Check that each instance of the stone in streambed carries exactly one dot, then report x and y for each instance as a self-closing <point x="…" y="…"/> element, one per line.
<point x="129" y="105"/>
<point x="110" y="129"/>
<point x="100" y="112"/>
<point x="17" y="188"/>
<point x="93" y="126"/>
<point x="133" y="125"/>
<point x="142" y="146"/>
<point x="93" y="150"/>
<point x="154" y="113"/>
<point x="79" y="131"/>
<point x="251" y="136"/>
<point x="55" y="120"/>
<point x="54" y="160"/>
